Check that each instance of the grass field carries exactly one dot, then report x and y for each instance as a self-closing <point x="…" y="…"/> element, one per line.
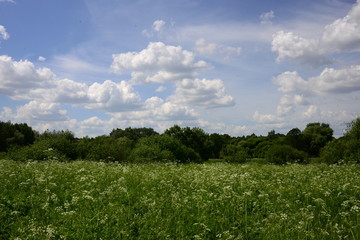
<point x="90" y="200"/>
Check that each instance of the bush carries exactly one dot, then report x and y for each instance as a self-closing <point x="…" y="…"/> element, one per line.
<point x="39" y="151"/>
<point x="105" y="149"/>
<point x="240" y="156"/>
<point x="163" y="149"/>
<point x="282" y="154"/>
<point x="345" y="149"/>
<point x="333" y="152"/>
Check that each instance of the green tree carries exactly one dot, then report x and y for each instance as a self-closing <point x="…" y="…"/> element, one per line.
<point x="105" y="148"/>
<point x="316" y="136"/>
<point x="194" y="138"/>
<point x="133" y="133"/>
<point x="346" y="148"/>
<point x="18" y="134"/>
<point x="163" y="148"/>
<point x="282" y="154"/>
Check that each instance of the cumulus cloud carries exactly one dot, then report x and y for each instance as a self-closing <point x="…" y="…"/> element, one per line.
<point x="35" y="110"/>
<point x="330" y="80"/>
<point x="289" y="102"/>
<point x="266" y="17"/>
<point x="291" y="82"/>
<point x="112" y="96"/>
<point x="4" y="35"/>
<point x="20" y="80"/>
<point x="202" y="92"/>
<point x="157" y="29"/>
<point x="266" y="118"/>
<point x="204" y="48"/>
<point x="157" y="109"/>
<point x="306" y="51"/>
<point x="158" y="25"/>
<point x="161" y="89"/>
<point x="343" y="35"/>
<point x="20" y="77"/>
<point x="158" y="63"/>
<point x="41" y="58"/>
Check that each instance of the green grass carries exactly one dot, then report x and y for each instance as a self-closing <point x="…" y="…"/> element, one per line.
<point x="90" y="200"/>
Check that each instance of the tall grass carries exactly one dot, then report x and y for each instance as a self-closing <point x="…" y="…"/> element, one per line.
<point x="90" y="200"/>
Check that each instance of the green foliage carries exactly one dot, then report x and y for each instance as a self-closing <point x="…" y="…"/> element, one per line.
<point x="57" y="145"/>
<point x="39" y="151"/>
<point x="240" y="156"/>
<point x="315" y="137"/>
<point x="163" y="148"/>
<point x="15" y="134"/>
<point x="354" y="130"/>
<point x="56" y="134"/>
<point x="105" y="149"/>
<point x="133" y="133"/>
<point x="345" y="149"/>
<point x="194" y="138"/>
<point x="283" y="154"/>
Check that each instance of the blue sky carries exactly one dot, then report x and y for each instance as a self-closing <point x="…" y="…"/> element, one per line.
<point x="236" y="67"/>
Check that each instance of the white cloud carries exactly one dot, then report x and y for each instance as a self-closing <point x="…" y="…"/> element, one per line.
<point x="4" y="35"/>
<point x="266" y="118"/>
<point x="34" y="111"/>
<point x="288" y="103"/>
<point x="158" y="25"/>
<point x="291" y="82"/>
<point x="157" y="29"/>
<point x="307" y="51"/>
<point x="161" y="89"/>
<point x="337" y="80"/>
<point x="293" y="100"/>
<point x="22" y="81"/>
<point x="311" y="111"/>
<point x="12" y="1"/>
<point x="202" y="92"/>
<point x="158" y="63"/>
<point x="204" y="48"/>
<point x="113" y="97"/>
<point x="330" y="80"/>
<point x="41" y="58"/>
<point x="20" y="77"/>
<point x="156" y="109"/>
<point x="266" y="17"/>
<point x="343" y="35"/>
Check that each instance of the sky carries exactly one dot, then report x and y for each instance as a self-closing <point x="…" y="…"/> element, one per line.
<point x="226" y="66"/>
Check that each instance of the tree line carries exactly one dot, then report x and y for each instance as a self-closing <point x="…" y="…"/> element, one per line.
<point x="181" y="144"/>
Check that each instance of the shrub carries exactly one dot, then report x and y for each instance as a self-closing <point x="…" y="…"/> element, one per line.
<point x="39" y="151"/>
<point x="105" y="149"/>
<point x="240" y="156"/>
<point x="345" y="149"/>
<point x="163" y="148"/>
<point x="282" y="154"/>
<point x="333" y="152"/>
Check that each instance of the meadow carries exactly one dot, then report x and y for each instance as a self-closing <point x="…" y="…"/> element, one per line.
<point x="95" y="200"/>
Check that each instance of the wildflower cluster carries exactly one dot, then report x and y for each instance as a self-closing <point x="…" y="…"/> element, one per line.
<point x="93" y="200"/>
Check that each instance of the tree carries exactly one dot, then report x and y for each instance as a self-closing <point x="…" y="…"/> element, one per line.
<point x="295" y="139"/>
<point x="163" y="148"/>
<point x="316" y="136"/>
<point x="194" y="138"/>
<point x="133" y="133"/>
<point x="19" y="134"/>
<point x="282" y="154"/>
<point x="345" y="149"/>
